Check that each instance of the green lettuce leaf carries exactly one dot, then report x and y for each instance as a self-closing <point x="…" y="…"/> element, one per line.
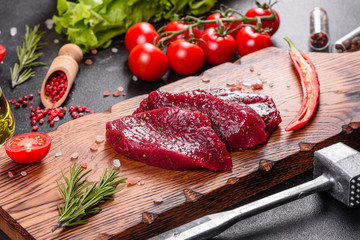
<point x="93" y="23"/>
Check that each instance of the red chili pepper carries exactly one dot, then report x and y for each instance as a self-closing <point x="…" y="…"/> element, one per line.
<point x="310" y="86"/>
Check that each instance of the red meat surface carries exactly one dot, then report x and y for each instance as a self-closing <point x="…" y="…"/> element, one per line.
<point x="262" y="104"/>
<point x="170" y="138"/>
<point x="237" y="125"/>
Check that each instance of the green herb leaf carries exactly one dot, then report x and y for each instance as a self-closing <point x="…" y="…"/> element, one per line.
<point x="27" y="56"/>
<point x="80" y="198"/>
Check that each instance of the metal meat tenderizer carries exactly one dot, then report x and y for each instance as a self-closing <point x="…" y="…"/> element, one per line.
<point x="336" y="171"/>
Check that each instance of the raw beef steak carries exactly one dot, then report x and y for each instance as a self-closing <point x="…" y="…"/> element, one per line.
<point x="262" y="104"/>
<point x="170" y="138"/>
<point x="237" y="125"/>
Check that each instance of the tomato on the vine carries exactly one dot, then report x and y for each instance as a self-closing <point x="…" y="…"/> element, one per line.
<point x="264" y="10"/>
<point x="233" y="27"/>
<point x="218" y="49"/>
<point x="148" y="62"/>
<point x="184" y="57"/>
<point x="249" y="40"/>
<point x="177" y="26"/>
<point x="2" y="52"/>
<point x="28" y="147"/>
<point x="139" y="33"/>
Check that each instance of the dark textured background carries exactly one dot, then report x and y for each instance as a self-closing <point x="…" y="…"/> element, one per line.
<point x="314" y="217"/>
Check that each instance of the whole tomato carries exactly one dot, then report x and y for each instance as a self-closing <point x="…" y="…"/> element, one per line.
<point x="141" y="32"/>
<point x="218" y="49"/>
<point x="184" y="57"/>
<point x="28" y="147"/>
<point x="233" y="27"/>
<point x="148" y="62"/>
<point x="248" y="40"/>
<point x="2" y="52"/>
<point x="264" y="10"/>
<point x="177" y="26"/>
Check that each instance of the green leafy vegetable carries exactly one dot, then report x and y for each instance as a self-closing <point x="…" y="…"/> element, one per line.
<point x="80" y="198"/>
<point x="93" y="23"/>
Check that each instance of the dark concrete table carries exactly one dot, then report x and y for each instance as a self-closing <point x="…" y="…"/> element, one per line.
<point x="314" y="217"/>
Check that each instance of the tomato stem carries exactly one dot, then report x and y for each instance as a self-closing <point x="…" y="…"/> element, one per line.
<point x="194" y="22"/>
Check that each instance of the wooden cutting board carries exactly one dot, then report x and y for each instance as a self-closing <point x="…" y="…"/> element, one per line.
<point x="28" y="203"/>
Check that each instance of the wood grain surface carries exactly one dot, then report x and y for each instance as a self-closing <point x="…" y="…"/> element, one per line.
<point x="28" y="203"/>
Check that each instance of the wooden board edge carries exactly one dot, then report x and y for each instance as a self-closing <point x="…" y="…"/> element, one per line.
<point x="13" y="229"/>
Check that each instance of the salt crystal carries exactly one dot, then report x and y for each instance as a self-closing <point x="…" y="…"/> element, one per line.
<point x="106" y="93"/>
<point x="13" y="31"/>
<point x="58" y="153"/>
<point x="10" y="174"/>
<point x="99" y="139"/>
<point x="56" y="119"/>
<point x="246" y="83"/>
<point x="74" y="156"/>
<point x="83" y="164"/>
<point x="2" y="62"/>
<point x="56" y="40"/>
<point x="133" y="181"/>
<point x="94" y="147"/>
<point x="23" y="173"/>
<point x="239" y="85"/>
<point x="114" y="50"/>
<point x="116" y="93"/>
<point x="288" y="85"/>
<point x="116" y="163"/>
<point x="263" y="80"/>
<point x="120" y="88"/>
<point x="134" y="78"/>
<point x="158" y="200"/>
<point x="205" y="79"/>
<point x="230" y="84"/>
<point x="88" y="62"/>
<point x="49" y="24"/>
<point x="141" y="182"/>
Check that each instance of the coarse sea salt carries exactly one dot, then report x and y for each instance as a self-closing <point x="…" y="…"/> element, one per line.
<point x="13" y="31"/>
<point x="99" y="139"/>
<point x="134" y="78"/>
<point x="116" y="163"/>
<point x="114" y="50"/>
<point x="58" y="153"/>
<point x="56" y="40"/>
<point x="23" y="173"/>
<point x="49" y="24"/>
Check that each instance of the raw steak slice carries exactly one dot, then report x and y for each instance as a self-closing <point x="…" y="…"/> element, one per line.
<point x="170" y="138"/>
<point x="262" y="104"/>
<point x="237" y="125"/>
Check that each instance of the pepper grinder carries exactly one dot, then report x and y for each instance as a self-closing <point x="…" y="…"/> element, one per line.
<point x="67" y="62"/>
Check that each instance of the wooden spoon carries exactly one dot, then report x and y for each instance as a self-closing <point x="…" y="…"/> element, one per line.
<point x="67" y="61"/>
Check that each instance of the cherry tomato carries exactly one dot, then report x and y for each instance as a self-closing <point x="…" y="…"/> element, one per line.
<point x="141" y="32"/>
<point x="234" y="27"/>
<point x="184" y="57"/>
<point x="218" y="49"/>
<point x="177" y="26"/>
<point x="148" y="62"/>
<point x="28" y="147"/>
<point x="264" y="10"/>
<point x="249" y="41"/>
<point x="2" y="52"/>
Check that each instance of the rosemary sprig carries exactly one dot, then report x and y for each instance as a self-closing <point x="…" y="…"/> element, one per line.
<point x="80" y="198"/>
<point x="27" y="56"/>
